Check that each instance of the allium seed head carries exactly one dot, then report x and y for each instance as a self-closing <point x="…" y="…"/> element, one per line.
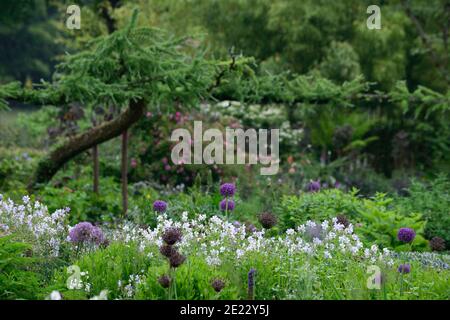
<point x="166" y="250"/>
<point x="176" y="259"/>
<point x="164" y="281"/>
<point x="342" y="219"/>
<point x="268" y="220"/>
<point x="218" y="285"/>
<point x="437" y="244"/>
<point x="172" y="236"/>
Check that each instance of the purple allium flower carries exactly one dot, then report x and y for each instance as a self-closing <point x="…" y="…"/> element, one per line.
<point x="437" y="244"/>
<point x="97" y="235"/>
<point x="227" y="189"/>
<point x="172" y="235"/>
<point x="268" y="220"/>
<point x="166" y="250"/>
<point x="227" y="204"/>
<point x="218" y="285"/>
<point x="160" y="206"/>
<point x="314" y="186"/>
<point x="251" y="283"/>
<point x="406" y="235"/>
<point x="404" y="268"/>
<point x="164" y="281"/>
<point x="81" y="232"/>
<point x="176" y="259"/>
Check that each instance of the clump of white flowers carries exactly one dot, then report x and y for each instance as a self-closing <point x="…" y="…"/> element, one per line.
<point x="218" y="240"/>
<point x="34" y="223"/>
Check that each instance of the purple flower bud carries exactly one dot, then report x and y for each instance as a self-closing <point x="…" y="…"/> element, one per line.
<point x="218" y="285"/>
<point x="227" y="204"/>
<point x="406" y="235"/>
<point x="227" y="189"/>
<point x="314" y="186"/>
<point x="160" y="206"/>
<point x="404" y="268"/>
<point x="172" y="236"/>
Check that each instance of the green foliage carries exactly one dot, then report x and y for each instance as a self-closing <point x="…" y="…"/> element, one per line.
<point x="376" y="220"/>
<point x="17" y="280"/>
<point x="432" y="199"/>
<point x="104" y="269"/>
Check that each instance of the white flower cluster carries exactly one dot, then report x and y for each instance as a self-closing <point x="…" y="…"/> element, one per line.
<point x="218" y="240"/>
<point x="35" y="224"/>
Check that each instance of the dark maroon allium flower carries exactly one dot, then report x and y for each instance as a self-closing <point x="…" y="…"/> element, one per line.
<point x="218" y="285"/>
<point x="404" y="268"/>
<point x="251" y="284"/>
<point x="166" y="250"/>
<point x="406" y="235"/>
<point x="160" y="206"/>
<point x="227" y="204"/>
<point x="268" y="220"/>
<point x="176" y="259"/>
<point x="164" y="281"/>
<point x="227" y="189"/>
<point x="342" y="219"/>
<point x="81" y="232"/>
<point x="314" y="186"/>
<point x="437" y="244"/>
<point x="172" y="236"/>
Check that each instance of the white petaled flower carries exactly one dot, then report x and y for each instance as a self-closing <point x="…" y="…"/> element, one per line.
<point x="55" y="295"/>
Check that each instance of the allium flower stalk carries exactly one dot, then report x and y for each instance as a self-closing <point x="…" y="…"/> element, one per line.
<point x="406" y="235"/>
<point x="251" y="284"/>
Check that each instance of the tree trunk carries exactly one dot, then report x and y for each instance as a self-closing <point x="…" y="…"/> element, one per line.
<point x="124" y="170"/>
<point x="65" y="151"/>
<point x="96" y="168"/>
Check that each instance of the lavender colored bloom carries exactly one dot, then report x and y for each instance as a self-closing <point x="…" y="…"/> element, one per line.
<point x="227" y="189"/>
<point x="81" y="232"/>
<point x="97" y="235"/>
<point x="314" y="186"/>
<point x="404" y="268"/>
<point x="227" y="204"/>
<point x="160" y="206"/>
<point x="406" y="235"/>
